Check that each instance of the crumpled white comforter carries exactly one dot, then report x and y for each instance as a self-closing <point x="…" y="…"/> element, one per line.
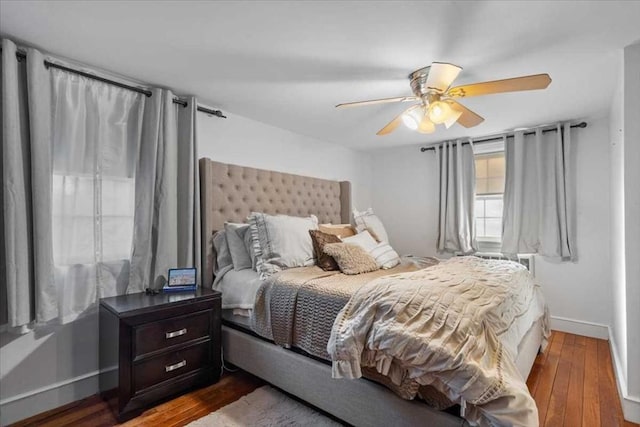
<point x="451" y="326"/>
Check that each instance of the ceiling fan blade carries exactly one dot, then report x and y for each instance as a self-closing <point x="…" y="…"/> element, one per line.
<point x="533" y="82"/>
<point x="377" y="101"/>
<point x="441" y="75"/>
<point x="393" y="124"/>
<point x="468" y="118"/>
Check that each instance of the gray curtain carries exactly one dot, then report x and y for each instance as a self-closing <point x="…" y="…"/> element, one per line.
<point x="167" y="212"/>
<point x="26" y="262"/>
<point x="456" y="167"/>
<point x="539" y="209"/>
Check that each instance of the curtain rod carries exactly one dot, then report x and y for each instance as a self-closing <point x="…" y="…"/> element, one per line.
<point x="23" y="56"/>
<point x="216" y="113"/>
<point x="508" y="135"/>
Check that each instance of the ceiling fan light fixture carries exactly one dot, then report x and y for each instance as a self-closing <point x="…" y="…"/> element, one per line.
<point x="439" y="112"/>
<point x="455" y="115"/>
<point x="426" y="125"/>
<point x="413" y="118"/>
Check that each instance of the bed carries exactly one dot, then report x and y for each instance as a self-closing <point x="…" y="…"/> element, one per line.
<point x="231" y="193"/>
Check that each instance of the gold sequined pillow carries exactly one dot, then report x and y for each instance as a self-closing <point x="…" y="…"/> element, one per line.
<point x="351" y="259"/>
<point x="319" y="240"/>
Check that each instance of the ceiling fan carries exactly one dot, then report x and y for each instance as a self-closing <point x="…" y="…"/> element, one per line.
<point x="432" y="89"/>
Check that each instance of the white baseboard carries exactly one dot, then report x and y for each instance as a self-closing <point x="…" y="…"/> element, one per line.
<point x="630" y="404"/>
<point x="25" y="405"/>
<point x="580" y="327"/>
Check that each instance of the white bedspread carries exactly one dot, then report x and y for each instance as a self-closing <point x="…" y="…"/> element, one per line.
<point x="455" y="326"/>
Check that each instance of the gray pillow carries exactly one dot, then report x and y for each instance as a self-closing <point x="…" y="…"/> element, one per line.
<point x="236" y="234"/>
<point x="281" y="241"/>
<point x="223" y="255"/>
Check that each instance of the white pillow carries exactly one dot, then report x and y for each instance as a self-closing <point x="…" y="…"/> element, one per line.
<point x="385" y="256"/>
<point x="363" y="239"/>
<point x="367" y="220"/>
<point x="281" y="241"/>
<point x="236" y="234"/>
<point x="382" y="252"/>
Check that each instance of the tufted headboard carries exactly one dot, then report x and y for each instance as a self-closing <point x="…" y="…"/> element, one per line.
<point x="231" y="193"/>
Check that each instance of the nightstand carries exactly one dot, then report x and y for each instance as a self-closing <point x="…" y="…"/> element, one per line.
<point x="153" y="347"/>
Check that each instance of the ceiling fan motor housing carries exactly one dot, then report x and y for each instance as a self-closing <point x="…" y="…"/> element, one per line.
<point x="419" y="86"/>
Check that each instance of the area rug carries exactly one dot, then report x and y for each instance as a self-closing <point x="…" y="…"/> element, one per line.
<point x="264" y="407"/>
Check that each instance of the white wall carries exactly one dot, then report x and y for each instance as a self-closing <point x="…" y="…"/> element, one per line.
<point x="406" y="199"/>
<point x="632" y="213"/>
<point x="241" y="141"/>
<point x="625" y="231"/>
<point x="49" y="368"/>
<point x="617" y="239"/>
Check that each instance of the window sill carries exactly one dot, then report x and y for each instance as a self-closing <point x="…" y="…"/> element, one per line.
<point x="489" y="246"/>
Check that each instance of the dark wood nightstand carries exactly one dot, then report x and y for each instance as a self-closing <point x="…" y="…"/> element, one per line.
<point x="159" y="346"/>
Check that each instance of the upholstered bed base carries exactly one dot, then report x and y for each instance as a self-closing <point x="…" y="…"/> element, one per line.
<point x="230" y="193"/>
<point x="358" y="402"/>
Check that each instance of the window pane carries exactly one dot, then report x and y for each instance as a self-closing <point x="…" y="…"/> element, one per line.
<point x="493" y="227"/>
<point x="496" y="166"/>
<point x="493" y="208"/>
<point x="479" y="227"/>
<point x="481" y="168"/>
<point x="481" y="186"/>
<point x="118" y="196"/>
<point x="479" y="208"/>
<point x="495" y="185"/>
<point x="73" y="240"/>
<point x="72" y="195"/>
<point x="117" y="234"/>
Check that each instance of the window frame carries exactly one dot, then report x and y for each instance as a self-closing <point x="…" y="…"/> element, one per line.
<point x="488" y="243"/>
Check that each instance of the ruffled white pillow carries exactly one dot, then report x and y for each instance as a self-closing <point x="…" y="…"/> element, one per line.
<point x="281" y="241"/>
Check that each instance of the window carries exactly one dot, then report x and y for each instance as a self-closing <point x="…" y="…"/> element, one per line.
<point x="490" y="173"/>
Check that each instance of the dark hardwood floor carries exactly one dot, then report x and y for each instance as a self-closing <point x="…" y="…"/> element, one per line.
<point x="572" y="384"/>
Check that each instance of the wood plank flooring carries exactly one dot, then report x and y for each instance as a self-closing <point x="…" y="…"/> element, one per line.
<point x="572" y="383"/>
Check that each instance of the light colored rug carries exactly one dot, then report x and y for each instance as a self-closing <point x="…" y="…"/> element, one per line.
<point x="264" y="407"/>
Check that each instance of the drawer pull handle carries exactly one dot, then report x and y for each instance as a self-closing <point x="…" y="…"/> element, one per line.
<point x="175" y="333"/>
<point x="178" y="365"/>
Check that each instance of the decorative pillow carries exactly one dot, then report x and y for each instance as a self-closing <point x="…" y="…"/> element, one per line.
<point x="236" y="234"/>
<point x="351" y="259"/>
<point x="383" y="253"/>
<point x="221" y="248"/>
<point x="319" y="239"/>
<point x="385" y="256"/>
<point x="367" y="220"/>
<point x="340" y="230"/>
<point x="364" y="240"/>
<point x="281" y="241"/>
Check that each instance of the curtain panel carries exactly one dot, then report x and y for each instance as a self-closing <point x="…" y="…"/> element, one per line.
<point x="26" y="261"/>
<point x="96" y="138"/>
<point x="539" y="207"/>
<point x="457" y="172"/>
<point x="167" y="211"/>
<point x="99" y="190"/>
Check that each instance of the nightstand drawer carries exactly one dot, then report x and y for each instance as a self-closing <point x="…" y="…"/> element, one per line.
<point x="166" y="333"/>
<point x="170" y="365"/>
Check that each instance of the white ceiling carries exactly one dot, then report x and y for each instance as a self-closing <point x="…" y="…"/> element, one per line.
<point x="288" y="63"/>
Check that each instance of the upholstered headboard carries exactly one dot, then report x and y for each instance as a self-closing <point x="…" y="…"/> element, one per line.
<point x="231" y="193"/>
